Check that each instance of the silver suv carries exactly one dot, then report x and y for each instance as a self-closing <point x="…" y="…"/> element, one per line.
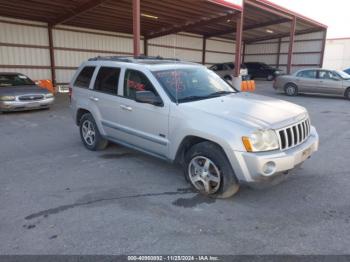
<point x="185" y="113"/>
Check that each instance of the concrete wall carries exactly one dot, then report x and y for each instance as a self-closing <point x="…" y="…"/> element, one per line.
<point x="337" y="54"/>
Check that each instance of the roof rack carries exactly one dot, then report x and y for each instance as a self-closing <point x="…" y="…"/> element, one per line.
<point x="129" y="59"/>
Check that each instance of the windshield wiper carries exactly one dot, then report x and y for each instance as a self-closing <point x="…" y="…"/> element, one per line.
<point x="220" y="93"/>
<point x="191" y="98"/>
<point x="215" y="94"/>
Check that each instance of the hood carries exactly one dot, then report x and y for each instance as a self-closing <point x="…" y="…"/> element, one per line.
<point x="251" y="110"/>
<point x="22" y="90"/>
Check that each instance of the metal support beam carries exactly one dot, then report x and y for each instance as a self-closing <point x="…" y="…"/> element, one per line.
<point x="77" y="11"/>
<point x="239" y="33"/>
<point x="278" y="52"/>
<point x="250" y="27"/>
<point x="275" y="36"/>
<point x="323" y="47"/>
<point x="291" y="44"/>
<point x="136" y="15"/>
<point x="192" y="25"/>
<point x="145" y="46"/>
<point x="52" y="57"/>
<point x="204" y="48"/>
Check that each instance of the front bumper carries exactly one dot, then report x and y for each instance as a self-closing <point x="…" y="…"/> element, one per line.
<point x="6" y="106"/>
<point x="251" y="167"/>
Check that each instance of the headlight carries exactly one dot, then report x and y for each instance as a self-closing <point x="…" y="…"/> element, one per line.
<point x="7" y="98"/>
<point x="260" y="141"/>
<point x="49" y="95"/>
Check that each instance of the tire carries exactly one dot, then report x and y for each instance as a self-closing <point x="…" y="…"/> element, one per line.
<point x="94" y="141"/>
<point x="347" y="93"/>
<point x="270" y="77"/>
<point x="217" y="174"/>
<point x="291" y="90"/>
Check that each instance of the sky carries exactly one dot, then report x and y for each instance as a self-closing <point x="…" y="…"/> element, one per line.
<point x="335" y="14"/>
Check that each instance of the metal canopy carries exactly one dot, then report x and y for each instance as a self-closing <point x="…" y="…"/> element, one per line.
<point x="258" y="20"/>
<point x="262" y="19"/>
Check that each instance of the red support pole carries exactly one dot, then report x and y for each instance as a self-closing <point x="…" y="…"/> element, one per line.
<point x="291" y="45"/>
<point x="278" y="53"/>
<point x="136" y="14"/>
<point x="204" y="47"/>
<point x="323" y="47"/>
<point x="244" y="52"/>
<point x="52" y="57"/>
<point x="238" y="54"/>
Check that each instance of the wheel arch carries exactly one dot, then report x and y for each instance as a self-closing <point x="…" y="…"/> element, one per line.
<point x="79" y="114"/>
<point x="188" y="142"/>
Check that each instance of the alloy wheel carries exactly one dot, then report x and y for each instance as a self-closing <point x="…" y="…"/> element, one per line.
<point x="88" y="132"/>
<point x="204" y="175"/>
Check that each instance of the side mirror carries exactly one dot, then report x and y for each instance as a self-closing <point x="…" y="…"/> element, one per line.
<point x="148" y="97"/>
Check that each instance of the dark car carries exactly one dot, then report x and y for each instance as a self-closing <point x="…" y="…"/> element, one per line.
<point x="18" y="92"/>
<point x="262" y="70"/>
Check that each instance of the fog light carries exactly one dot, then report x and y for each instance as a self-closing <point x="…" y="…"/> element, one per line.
<point x="269" y="168"/>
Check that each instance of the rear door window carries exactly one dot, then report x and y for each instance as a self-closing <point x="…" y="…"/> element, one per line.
<point x="311" y="74"/>
<point x="107" y="80"/>
<point x="84" y="78"/>
<point x="136" y="81"/>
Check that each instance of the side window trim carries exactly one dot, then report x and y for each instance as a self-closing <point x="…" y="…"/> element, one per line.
<point x="93" y="78"/>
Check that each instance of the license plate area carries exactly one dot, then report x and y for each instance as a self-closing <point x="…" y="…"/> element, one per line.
<point x="306" y="153"/>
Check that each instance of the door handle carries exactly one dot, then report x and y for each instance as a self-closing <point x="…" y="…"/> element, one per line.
<point x="95" y="99"/>
<point x="127" y="108"/>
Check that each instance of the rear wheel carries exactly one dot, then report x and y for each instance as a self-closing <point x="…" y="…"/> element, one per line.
<point x="90" y="135"/>
<point x="291" y="90"/>
<point x="347" y="93"/>
<point x="209" y="171"/>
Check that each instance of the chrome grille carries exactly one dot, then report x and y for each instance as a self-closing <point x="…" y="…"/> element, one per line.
<point x="294" y="135"/>
<point x="31" y="97"/>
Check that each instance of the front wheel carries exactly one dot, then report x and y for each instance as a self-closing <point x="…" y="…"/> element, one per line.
<point x="209" y="171"/>
<point x="291" y="90"/>
<point x="90" y="135"/>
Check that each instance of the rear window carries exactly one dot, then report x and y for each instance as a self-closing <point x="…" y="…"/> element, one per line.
<point x="107" y="80"/>
<point x="84" y="78"/>
<point x="307" y="74"/>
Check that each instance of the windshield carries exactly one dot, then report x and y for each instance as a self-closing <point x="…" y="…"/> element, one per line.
<point x="15" y="80"/>
<point x="189" y="84"/>
<point x="343" y="75"/>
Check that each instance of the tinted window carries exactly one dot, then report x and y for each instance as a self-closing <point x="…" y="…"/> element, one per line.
<point x="307" y="74"/>
<point x="15" y="80"/>
<point x="136" y="81"/>
<point x="84" y="78"/>
<point x="107" y="80"/>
